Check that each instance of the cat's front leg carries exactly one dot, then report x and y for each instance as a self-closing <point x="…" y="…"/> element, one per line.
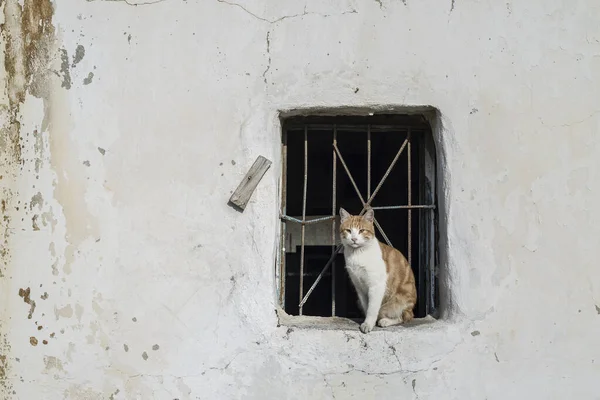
<point x="375" y="297"/>
<point x="362" y="301"/>
<point x="361" y="292"/>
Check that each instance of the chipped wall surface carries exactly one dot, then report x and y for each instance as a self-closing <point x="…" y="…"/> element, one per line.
<point x="125" y="126"/>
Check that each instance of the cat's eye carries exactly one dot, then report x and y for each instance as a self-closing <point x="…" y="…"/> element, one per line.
<point x="347" y="231"/>
<point x="362" y="230"/>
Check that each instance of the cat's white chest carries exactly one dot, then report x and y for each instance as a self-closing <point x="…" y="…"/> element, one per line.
<point x="365" y="267"/>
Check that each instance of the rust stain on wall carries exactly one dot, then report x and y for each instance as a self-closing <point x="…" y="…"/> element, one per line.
<point x="28" y="43"/>
<point x="28" y="37"/>
<point x="36" y="65"/>
<point x="26" y="295"/>
<point x="3" y="366"/>
<point x="5" y="384"/>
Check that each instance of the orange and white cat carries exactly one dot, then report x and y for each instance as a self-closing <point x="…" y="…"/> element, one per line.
<point x="384" y="282"/>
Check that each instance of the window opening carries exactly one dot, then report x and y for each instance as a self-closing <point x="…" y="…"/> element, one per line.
<point x="385" y="162"/>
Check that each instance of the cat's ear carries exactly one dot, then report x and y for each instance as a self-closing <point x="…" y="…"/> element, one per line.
<point x="344" y="215"/>
<point x="369" y="215"/>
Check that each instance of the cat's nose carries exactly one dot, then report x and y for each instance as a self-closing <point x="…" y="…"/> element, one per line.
<point x="354" y="239"/>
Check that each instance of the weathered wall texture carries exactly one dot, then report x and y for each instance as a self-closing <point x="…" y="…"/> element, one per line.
<point x="125" y="127"/>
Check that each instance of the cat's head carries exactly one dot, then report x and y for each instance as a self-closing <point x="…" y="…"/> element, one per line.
<point x="356" y="231"/>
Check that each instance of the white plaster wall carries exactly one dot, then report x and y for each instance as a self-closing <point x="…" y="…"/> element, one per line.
<point x="156" y="289"/>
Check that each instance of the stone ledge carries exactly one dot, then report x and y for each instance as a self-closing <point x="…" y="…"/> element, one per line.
<point x="346" y="324"/>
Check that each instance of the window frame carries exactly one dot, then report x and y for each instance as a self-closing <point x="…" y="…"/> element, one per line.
<point x="426" y="197"/>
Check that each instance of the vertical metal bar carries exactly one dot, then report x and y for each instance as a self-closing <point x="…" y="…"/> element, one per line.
<point x="282" y="271"/>
<point x="301" y="294"/>
<point x="422" y="307"/>
<point x="368" y="161"/>
<point x="333" y="213"/>
<point x="409" y="201"/>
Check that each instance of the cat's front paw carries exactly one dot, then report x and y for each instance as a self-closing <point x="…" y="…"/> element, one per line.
<point x="366" y="327"/>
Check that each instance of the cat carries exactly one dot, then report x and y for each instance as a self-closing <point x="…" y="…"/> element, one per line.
<point x="381" y="275"/>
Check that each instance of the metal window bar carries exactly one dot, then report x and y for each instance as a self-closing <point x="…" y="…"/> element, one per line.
<point x="356" y="127"/>
<point x="369" y="161"/>
<point x="303" y="217"/>
<point x="333" y="213"/>
<point x="409" y="200"/>
<point x="366" y="205"/>
<point x="282" y="265"/>
<point x="306" y="222"/>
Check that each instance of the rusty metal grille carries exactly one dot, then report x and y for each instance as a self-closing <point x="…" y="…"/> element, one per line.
<point x="353" y="160"/>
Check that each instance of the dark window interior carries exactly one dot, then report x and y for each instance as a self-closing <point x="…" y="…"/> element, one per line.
<point x="387" y="134"/>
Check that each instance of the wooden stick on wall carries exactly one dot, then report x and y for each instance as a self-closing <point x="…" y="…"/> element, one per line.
<point x="244" y="191"/>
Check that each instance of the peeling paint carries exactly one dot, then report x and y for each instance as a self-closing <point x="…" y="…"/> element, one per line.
<point x="5" y="368"/>
<point x="27" y="36"/>
<point x="79" y="54"/>
<point x="33" y="62"/>
<point x="36" y="200"/>
<point x="51" y="363"/>
<point x="78" y="312"/>
<point x="88" y="80"/>
<point x="64" y="312"/>
<point x="34" y="224"/>
<point x="26" y="295"/>
<point x="81" y="392"/>
<point x="64" y="68"/>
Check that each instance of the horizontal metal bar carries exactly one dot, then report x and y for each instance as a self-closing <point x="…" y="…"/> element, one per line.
<point x="356" y="128"/>
<point x="337" y="249"/>
<point x="431" y="206"/>
<point x="312" y="221"/>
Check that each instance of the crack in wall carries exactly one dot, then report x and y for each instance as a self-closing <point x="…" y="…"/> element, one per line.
<point x="393" y="348"/>
<point x="129" y="3"/>
<point x="264" y="75"/>
<point x="274" y="21"/>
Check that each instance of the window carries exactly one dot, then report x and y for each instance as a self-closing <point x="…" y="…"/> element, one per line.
<point x="385" y="161"/>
